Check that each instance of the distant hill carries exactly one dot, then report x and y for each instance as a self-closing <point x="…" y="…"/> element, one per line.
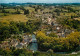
<point x="29" y="3"/>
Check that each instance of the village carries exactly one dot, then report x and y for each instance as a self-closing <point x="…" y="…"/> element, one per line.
<point x="48" y="24"/>
<point x="39" y="29"/>
<point x="12" y="42"/>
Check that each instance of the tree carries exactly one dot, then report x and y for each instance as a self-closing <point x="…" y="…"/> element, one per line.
<point x="14" y="29"/>
<point x="53" y="35"/>
<point x="26" y="12"/>
<point x="58" y="44"/>
<point x="50" y="51"/>
<point x="4" y="32"/>
<point x="36" y="53"/>
<point x="22" y="52"/>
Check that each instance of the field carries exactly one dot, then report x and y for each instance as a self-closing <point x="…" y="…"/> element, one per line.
<point x="13" y="10"/>
<point x="16" y="17"/>
<point x="77" y="18"/>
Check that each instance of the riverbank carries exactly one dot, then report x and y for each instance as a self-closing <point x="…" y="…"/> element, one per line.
<point x="34" y="47"/>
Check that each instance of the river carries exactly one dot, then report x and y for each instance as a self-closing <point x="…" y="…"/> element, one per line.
<point x="33" y="46"/>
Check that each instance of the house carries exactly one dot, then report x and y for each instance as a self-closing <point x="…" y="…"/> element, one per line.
<point x="49" y="21"/>
<point x="48" y="32"/>
<point x="13" y="42"/>
<point x="19" y="46"/>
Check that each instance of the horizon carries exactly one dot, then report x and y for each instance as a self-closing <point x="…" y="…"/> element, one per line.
<point x="40" y="1"/>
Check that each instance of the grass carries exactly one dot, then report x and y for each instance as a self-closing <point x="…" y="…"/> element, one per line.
<point x="47" y="54"/>
<point x="4" y="14"/>
<point x="30" y="9"/>
<point x="1" y="14"/>
<point x="16" y="17"/>
<point x="11" y="10"/>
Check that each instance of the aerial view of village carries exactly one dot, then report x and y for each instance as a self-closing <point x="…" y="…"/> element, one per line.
<point x="39" y="29"/>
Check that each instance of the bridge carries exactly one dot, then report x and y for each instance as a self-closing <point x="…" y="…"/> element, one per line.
<point x="34" y="40"/>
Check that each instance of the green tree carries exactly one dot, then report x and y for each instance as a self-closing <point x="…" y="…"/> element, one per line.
<point x="53" y="35"/>
<point x="26" y="12"/>
<point x="14" y="29"/>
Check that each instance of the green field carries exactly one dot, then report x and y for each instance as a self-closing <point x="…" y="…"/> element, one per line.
<point x="16" y="17"/>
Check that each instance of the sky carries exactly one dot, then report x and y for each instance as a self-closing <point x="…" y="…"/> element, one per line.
<point x="40" y="1"/>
